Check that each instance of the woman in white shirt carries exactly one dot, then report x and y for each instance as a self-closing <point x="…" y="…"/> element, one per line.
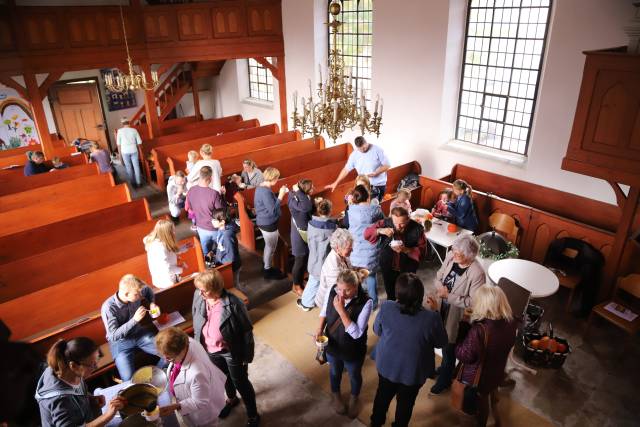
<point x="162" y="254"/>
<point x="195" y="382"/>
<point x="206" y="152"/>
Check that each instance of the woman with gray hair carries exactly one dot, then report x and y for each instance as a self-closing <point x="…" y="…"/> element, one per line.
<point x="460" y="276"/>
<point x="341" y="244"/>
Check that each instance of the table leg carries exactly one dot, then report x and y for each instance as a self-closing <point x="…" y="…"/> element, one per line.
<point x="435" y="249"/>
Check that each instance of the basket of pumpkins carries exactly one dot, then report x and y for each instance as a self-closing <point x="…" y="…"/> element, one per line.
<point x="545" y="350"/>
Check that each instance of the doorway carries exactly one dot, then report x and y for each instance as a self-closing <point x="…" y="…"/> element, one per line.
<point x="77" y="109"/>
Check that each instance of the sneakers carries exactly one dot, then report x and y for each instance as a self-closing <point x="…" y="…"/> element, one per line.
<point x="354" y="407"/>
<point x="253" y="421"/>
<point x="302" y="306"/>
<point x="228" y="406"/>
<point x="439" y="388"/>
<point x="337" y="404"/>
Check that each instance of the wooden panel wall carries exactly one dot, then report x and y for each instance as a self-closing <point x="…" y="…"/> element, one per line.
<point x="91" y="36"/>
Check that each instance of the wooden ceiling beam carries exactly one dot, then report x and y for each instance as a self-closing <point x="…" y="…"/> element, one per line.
<point x="53" y="77"/>
<point x="9" y="82"/>
<point x="268" y="65"/>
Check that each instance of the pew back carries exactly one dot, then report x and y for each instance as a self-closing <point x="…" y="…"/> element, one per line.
<point x="21" y="159"/>
<point x="22" y="219"/>
<point x="48" y="237"/>
<point x="10" y="184"/>
<point x="71" y="188"/>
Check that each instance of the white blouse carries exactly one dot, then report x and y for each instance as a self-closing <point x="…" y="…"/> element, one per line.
<point x="163" y="265"/>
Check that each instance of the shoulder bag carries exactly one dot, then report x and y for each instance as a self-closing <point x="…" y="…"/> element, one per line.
<point x="464" y="397"/>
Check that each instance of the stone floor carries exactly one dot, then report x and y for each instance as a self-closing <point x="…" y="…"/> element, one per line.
<point x="595" y="387"/>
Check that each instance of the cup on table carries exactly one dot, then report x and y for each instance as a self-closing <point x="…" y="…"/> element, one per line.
<point x="395" y="243"/>
<point x="155" y="312"/>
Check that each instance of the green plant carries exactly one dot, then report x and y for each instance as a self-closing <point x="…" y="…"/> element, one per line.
<point x="485" y="252"/>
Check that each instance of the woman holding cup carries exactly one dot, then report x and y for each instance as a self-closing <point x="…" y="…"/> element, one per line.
<point x="344" y="321"/>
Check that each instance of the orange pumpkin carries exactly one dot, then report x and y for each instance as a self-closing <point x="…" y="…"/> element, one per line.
<point x="534" y="343"/>
<point x="452" y="228"/>
<point x="163" y="318"/>
<point x="544" y="343"/>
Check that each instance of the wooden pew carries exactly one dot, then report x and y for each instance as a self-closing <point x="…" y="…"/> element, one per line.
<point x="52" y="305"/>
<point x="71" y="188"/>
<point x="36" y="272"/>
<point x="180" y="150"/>
<point x="18" y="220"/>
<point x="19" y="151"/>
<point x="20" y="160"/>
<point x="212" y="128"/>
<point x="182" y="124"/>
<point x="10" y="184"/>
<point x="48" y="237"/>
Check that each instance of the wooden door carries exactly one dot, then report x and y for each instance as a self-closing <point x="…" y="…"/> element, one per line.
<point x="78" y="112"/>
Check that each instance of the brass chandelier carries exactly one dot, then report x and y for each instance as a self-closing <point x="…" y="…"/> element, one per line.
<point x="337" y="106"/>
<point x="135" y="80"/>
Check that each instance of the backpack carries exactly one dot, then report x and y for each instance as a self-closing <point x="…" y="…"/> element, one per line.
<point x="410" y="181"/>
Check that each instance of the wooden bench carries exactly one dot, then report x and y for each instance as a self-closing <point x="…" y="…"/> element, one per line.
<point x="36" y="272"/>
<point x="212" y="128"/>
<point x="180" y="150"/>
<point x="182" y="124"/>
<point x="51" y="236"/>
<point x="18" y="220"/>
<point x="10" y="184"/>
<point x="20" y="160"/>
<point x="71" y="299"/>
<point x="19" y="151"/>
<point x="72" y="188"/>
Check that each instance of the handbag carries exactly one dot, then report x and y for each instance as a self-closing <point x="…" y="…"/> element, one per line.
<point x="303" y="233"/>
<point x="464" y="397"/>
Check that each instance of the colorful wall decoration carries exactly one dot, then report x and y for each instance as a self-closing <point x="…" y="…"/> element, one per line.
<point x="118" y="101"/>
<point x="17" y="128"/>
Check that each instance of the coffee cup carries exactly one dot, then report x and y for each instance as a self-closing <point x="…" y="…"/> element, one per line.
<point x="322" y="341"/>
<point x="155" y="312"/>
<point x="395" y="243"/>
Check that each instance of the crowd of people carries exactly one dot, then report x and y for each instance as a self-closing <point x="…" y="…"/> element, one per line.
<point x="341" y="255"/>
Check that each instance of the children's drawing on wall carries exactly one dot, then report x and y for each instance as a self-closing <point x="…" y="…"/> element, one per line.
<point x="16" y="124"/>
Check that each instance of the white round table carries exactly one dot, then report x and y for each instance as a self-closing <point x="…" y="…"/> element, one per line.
<point x="535" y="278"/>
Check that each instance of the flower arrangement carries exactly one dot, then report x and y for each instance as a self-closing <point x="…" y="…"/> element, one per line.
<point x="484" y="252"/>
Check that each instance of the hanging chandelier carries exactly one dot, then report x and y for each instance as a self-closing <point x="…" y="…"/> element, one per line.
<point x="120" y="82"/>
<point x="336" y="106"/>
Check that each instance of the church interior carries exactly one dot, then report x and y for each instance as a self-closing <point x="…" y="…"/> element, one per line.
<point x="505" y="133"/>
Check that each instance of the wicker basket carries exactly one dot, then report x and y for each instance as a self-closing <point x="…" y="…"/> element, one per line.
<point x="544" y="358"/>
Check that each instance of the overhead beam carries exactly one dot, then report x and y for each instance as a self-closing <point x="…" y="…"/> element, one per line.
<point x="282" y="94"/>
<point x="53" y="77"/>
<point x="268" y="65"/>
<point x="620" y="196"/>
<point x="9" y="82"/>
<point x="39" y="117"/>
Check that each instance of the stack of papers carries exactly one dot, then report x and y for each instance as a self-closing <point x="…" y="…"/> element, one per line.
<point x="621" y="311"/>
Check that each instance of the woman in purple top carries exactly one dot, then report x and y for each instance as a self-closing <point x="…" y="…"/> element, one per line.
<point x="101" y="157"/>
<point x="491" y="315"/>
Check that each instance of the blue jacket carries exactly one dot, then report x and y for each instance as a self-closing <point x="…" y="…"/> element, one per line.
<point x="319" y="232"/>
<point x="404" y="353"/>
<point x="463" y="212"/>
<point x="364" y="254"/>
<point x="267" y="207"/>
<point x="227" y="246"/>
<point x="300" y="206"/>
<point x="33" y="168"/>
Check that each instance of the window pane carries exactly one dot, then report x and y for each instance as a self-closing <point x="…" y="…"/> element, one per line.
<point x="260" y="80"/>
<point x="505" y="44"/>
<point x="354" y="42"/>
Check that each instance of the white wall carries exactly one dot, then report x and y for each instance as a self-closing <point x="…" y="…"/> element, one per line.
<point x="416" y="67"/>
<point x="231" y="95"/>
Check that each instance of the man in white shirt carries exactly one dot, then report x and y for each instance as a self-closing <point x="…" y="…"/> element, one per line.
<point x="369" y="160"/>
<point x="128" y="140"/>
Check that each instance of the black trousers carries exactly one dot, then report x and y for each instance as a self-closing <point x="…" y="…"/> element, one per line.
<point x="299" y="268"/>
<point x="405" y="399"/>
<point x="390" y="277"/>
<point x="237" y="379"/>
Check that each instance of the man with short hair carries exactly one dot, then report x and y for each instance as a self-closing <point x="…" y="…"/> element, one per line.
<point x="402" y="245"/>
<point x="122" y="314"/>
<point x="128" y="140"/>
<point x="35" y="164"/>
<point x="202" y="201"/>
<point x="369" y="160"/>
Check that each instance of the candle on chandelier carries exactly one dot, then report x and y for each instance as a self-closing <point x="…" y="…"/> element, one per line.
<point x="295" y="99"/>
<point x="335" y="111"/>
<point x="350" y="76"/>
<point x="310" y="89"/>
<point x="381" y="106"/>
<point x="376" y="106"/>
<point x="320" y="73"/>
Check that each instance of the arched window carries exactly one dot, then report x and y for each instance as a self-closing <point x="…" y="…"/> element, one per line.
<point x="260" y="81"/>
<point x="504" y="48"/>
<point x="355" y="41"/>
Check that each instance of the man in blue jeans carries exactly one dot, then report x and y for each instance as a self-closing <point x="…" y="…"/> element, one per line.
<point x="128" y="140"/>
<point x="121" y="314"/>
<point x="202" y="201"/>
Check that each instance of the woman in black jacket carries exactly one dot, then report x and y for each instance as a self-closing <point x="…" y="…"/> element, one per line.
<point x="222" y="325"/>
<point x="301" y="207"/>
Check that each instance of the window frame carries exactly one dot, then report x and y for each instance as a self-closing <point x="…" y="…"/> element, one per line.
<point x="511" y="68"/>
<point x="268" y="74"/>
<point x="340" y="42"/>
